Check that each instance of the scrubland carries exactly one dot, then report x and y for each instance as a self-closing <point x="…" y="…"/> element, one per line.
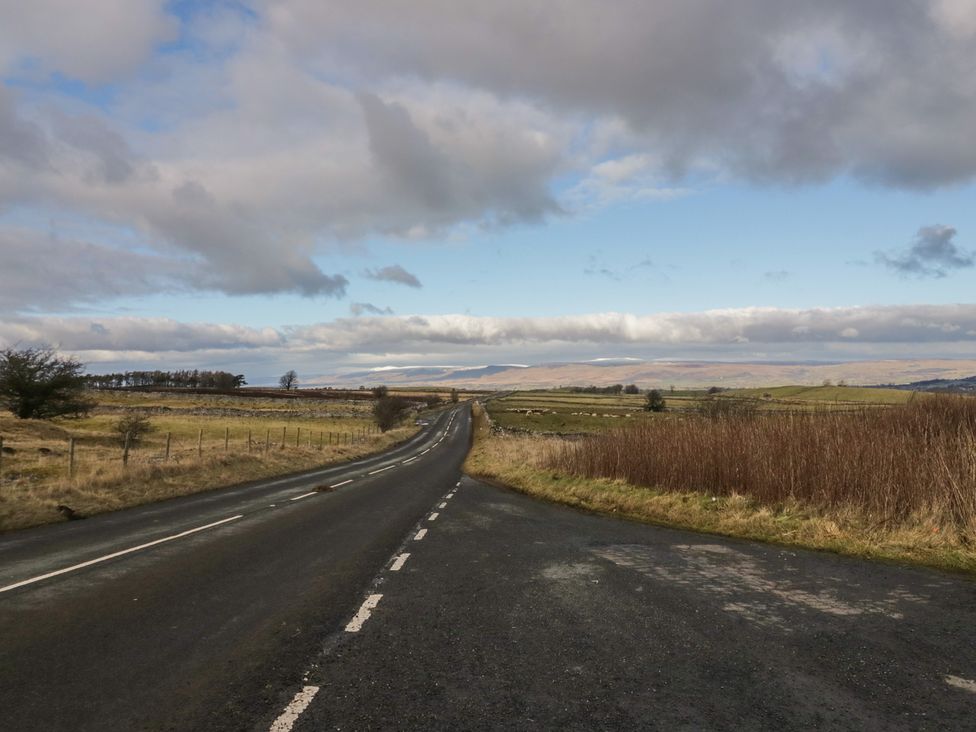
<point x="878" y="479"/>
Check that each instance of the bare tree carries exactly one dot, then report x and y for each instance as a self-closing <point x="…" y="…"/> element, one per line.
<point x="288" y="380"/>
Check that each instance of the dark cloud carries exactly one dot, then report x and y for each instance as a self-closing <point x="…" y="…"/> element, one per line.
<point x="933" y="253"/>
<point x="367" y="308"/>
<point x="393" y="273"/>
<point x="44" y="272"/>
<point x="773" y="90"/>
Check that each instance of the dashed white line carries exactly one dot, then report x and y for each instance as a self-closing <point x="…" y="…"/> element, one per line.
<point x="425" y="451"/>
<point x="399" y="562"/>
<point x="113" y="555"/>
<point x="410" y="460"/>
<point x="960" y="683"/>
<point x="449" y="496"/>
<point x="374" y="472"/>
<point x="339" y="485"/>
<point x="365" y="610"/>
<point x="420" y="535"/>
<point x="443" y="505"/>
<point x="293" y="711"/>
<point x="304" y="495"/>
<point x="458" y="484"/>
<point x="433" y="516"/>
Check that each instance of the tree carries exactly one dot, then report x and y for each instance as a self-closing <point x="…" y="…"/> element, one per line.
<point x="380" y="391"/>
<point x="631" y="389"/>
<point x="655" y="401"/>
<point x="288" y="380"/>
<point x="389" y="410"/>
<point x="35" y="383"/>
<point x="133" y="426"/>
<point x="454" y="396"/>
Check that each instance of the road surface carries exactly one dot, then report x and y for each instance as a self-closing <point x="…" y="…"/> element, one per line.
<point x="415" y="598"/>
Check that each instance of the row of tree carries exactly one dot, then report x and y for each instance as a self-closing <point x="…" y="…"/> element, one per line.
<point x="614" y="389"/>
<point x="194" y="379"/>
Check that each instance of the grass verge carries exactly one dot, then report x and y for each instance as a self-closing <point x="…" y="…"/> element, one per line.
<point x="520" y="463"/>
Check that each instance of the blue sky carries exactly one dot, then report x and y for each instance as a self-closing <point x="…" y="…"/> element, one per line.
<point x="265" y="185"/>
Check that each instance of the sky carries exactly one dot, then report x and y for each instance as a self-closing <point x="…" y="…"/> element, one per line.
<point x="327" y="185"/>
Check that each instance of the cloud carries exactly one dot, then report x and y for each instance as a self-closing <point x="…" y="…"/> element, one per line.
<point x="94" y="41"/>
<point x="393" y="273"/>
<point x="778" y="275"/>
<point x="932" y="254"/>
<point x="47" y="272"/>
<point x="770" y="90"/>
<point x="851" y="332"/>
<point x="366" y="308"/>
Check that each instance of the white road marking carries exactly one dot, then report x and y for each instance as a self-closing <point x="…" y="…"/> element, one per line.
<point x="433" y="516"/>
<point x="388" y="467"/>
<point x="410" y="460"/>
<point x="304" y="495"/>
<point x="293" y="711"/>
<point x="425" y="451"/>
<point x="400" y="561"/>
<point x="365" y="610"/>
<point x="458" y="484"/>
<point x="420" y="535"/>
<point x="961" y="683"/>
<point x="449" y="496"/>
<point x="339" y="485"/>
<point x="113" y="555"/>
<point x="443" y="505"/>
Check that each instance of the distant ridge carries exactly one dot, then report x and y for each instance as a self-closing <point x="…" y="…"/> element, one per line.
<point x="908" y="373"/>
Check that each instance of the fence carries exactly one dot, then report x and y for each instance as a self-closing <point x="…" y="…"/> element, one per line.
<point x="57" y="455"/>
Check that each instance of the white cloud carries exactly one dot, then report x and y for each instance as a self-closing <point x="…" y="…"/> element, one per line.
<point x="852" y="331"/>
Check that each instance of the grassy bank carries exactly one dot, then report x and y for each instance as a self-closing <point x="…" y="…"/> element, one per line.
<point x="936" y="530"/>
<point x="213" y="441"/>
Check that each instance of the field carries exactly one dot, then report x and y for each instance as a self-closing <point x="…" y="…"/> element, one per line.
<point x="870" y="472"/>
<point x="214" y="440"/>
<point x="565" y="412"/>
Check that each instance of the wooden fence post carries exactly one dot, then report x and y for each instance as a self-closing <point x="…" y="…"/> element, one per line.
<point x="249" y="441"/>
<point x="298" y="438"/>
<point x="267" y="440"/>
<point x="125" y="450"/>
<point x="1" y="457"/>
<point x="200" y="443"/>
<point x="71" y="457"/>
<point x="226" y="438"/>
<point x="320" y="440"/>
<point x="169" y="437"/>
<point x="284" y="431"/>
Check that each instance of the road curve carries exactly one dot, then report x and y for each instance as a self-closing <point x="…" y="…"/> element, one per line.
<point x="201" y="612"/>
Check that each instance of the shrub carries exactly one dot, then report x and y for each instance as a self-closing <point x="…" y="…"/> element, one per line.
<point x="389" y="410"/>
<point x="136" y="426"/>
<point x="35" y="383"/>
<point x="655" y="401"/>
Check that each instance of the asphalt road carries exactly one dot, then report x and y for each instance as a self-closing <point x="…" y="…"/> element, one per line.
<point x="412" y="598"/>
<point x="210" y="629"/>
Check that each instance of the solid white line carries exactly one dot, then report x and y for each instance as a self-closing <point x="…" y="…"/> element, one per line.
<point x="374" y="472"/>
<point x="443" y="505"/>
<point x="339" y="485"/>
<point x="420" y="535"/>
<point x="400" y="561"/>
<point x="293" y="711"/>
<point x="113" y="555"/>
<point x="410" y="460"/>
<point x="433" y="516"/>
<point x="304" y="495"/>
<point x="365" y="610"/>
<point x="961" y="683"/>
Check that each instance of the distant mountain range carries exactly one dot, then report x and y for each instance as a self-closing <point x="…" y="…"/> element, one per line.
<point x="646" y="374"/>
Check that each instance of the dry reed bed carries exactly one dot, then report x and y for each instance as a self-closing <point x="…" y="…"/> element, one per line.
<point x="890" y="465"/>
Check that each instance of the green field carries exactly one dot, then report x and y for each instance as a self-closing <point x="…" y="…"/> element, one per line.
<point x="565" y="412"/>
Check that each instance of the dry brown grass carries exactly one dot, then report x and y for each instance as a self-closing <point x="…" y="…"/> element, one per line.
<point x="34" y="476"/>
<point x="908" y="496"/>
